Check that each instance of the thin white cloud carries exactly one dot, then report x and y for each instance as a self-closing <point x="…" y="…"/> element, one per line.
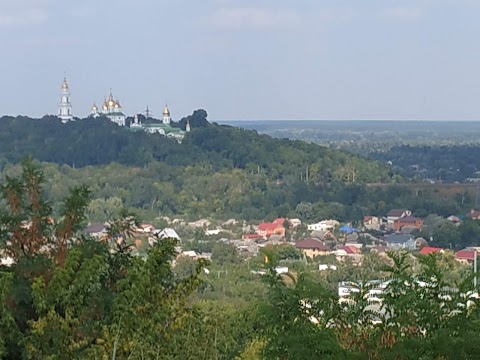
<point x="403" y="13"/>
<point x="253" y="18"/>
<point x="23" y="18"/>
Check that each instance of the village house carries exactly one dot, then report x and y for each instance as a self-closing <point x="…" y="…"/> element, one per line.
<point x="351" y="252"/>
<point x="246" y="249"/>
<point x="96" y="230"/>
<point x="372" y="222"/>
<point x="195" y="256"/>
<point x="351" y="238"/>
<point x="454" y="219"/>
<point x="217" y="231"/>
<point x="474" y="214"/>
<point x="408" y="221"/>
<point x="168" y="233"/>
<point x="276" y="227"/>
<point x="348" y="250"/>
<point x="295" y="222"/>
<point x="202" y="223"/>
<point x="431" y="250"/>
<point x="380" y="250"/>
<point x="323" y="267"/>
<point x="467" y="255"/>
<point x="323" y="225"/>
<point x="251" y="237"/>
<point x="313" y="247"/>
<point x="401" y="241"/>
<point x="396" y="214"/>
<point x="324" y="235"/>
<point x="145" y="229"/>
<point x="268" y="229"/>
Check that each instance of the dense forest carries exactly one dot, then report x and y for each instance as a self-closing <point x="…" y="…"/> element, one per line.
<point x="158" y="189"/>
<point x="68" y="296"/>
<point x="438" y="163"/>
<point x="440" y="151"/>
<point x="90" y="142"/>
<point x="218" y="172"/>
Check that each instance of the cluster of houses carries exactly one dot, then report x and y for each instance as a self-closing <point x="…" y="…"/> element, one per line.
<point x="145" y="234"/>
<point x="395" y="231"/>
<point x="377" y="234"/>
<point x="396" y="219"/>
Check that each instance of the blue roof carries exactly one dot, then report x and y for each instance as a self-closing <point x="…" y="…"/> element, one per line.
<point x="348" y="229"/>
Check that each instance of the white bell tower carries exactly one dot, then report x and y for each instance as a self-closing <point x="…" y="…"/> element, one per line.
<point x="65" y="106"/>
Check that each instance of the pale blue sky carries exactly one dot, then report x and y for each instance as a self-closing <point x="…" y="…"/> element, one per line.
<point x="245" y="59"/>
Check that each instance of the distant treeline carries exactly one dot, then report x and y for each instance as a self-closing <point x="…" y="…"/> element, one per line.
<point x="444" y="163"/>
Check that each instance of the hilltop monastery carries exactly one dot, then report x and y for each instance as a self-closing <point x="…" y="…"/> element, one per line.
<point x="112" y="110"/>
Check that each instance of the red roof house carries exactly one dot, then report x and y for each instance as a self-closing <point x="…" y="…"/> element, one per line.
<point x="465" y="256"/>
<point x="281" y="221"/>
<point x="351" y="249"/>
<point x="430" y="250"/>
<point x="268" y="229"/>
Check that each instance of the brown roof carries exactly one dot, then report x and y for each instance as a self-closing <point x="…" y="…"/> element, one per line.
<point x="473" y="213"/>
<point x="396" y="212"/>
<point x="323" y="234"/>
<point x="379" y="249"/>
<point x="408" y="219"/>
<point x="311" y="244"/>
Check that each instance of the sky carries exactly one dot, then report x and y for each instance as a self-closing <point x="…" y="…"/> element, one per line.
<point x="245" y="59"/>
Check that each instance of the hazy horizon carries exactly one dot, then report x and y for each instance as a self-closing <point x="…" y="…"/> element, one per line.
<point x="245" y="60"/>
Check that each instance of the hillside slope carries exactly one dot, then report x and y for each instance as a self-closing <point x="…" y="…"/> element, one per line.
<point x="91" y="142"/>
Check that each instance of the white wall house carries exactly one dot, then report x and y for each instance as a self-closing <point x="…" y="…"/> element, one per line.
<point x="323" y="225"/>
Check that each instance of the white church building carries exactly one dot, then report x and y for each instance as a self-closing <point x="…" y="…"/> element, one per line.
<point x="112" y="109"/>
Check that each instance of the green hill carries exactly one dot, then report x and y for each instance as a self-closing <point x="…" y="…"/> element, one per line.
<point x="89" y="142"/>
<point x="218" y="171"/>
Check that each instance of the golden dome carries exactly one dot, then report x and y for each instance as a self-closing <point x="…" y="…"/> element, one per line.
<point x="94" y="107"/>
<point x="166" y="111"/>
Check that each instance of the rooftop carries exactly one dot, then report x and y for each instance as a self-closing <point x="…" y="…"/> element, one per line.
<point x="311" y="244"/>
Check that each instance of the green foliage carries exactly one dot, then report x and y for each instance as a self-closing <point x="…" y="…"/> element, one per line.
<point x="420" y="316"/>
<point x="218" y="171"/>
<point x="447" y="163"/>
<point x="224" y="254"/>
<point x="71" y="297"/>
<point x="296" y="321"/>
